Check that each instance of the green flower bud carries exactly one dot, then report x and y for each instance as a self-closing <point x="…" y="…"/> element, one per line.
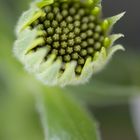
<point x="64" y="42"/>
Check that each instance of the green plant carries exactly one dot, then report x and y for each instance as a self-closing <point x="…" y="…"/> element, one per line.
<point x="63" y="43"/>
<point x="61" y="116"/>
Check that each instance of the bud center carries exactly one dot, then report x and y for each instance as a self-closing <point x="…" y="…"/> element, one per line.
<point x="71" y="32"/>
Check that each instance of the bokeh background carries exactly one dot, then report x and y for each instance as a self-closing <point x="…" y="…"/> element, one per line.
<point x="107" y="95"/>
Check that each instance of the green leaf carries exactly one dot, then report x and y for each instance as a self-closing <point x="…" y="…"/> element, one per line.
<point x="100" y="93"/>
<point x="118" y="82"/>
<point x="63" y="119"/>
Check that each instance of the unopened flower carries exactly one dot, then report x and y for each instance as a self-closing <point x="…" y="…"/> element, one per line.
<point x="65" y="41"/>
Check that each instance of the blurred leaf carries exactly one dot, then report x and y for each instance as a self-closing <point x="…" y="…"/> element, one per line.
<point x="18" y="118"/>
<point x="63" y="118"/>
<point x="116" y="83"/>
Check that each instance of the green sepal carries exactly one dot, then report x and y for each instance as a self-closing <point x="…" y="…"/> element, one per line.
<point x="25" y="17"/>
<point x="50" y="75"/>
<point x="114" y="49"/>
<point x="68" y="76"/>
<point x="33" y="60"/>
<point x="115" y="37"/>
<point x="99" y="61"/>
<point x="45" y="64"/>
<point x="23" y="42"/>
<point x="36" y="15"/>
<point x="113" y="20"/>
<point x="86" y="73"/>
<point x="44" y="3"/>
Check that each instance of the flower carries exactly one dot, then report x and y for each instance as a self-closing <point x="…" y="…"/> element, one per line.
<point x="65" y="42"/>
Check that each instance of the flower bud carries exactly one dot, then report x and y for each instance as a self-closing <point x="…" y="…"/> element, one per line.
<point x="64" y="42"/>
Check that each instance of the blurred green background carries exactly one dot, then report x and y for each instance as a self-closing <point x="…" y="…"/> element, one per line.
<point x="107" y="95"/>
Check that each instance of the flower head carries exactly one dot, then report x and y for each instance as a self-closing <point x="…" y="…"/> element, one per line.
<point x="65" y="41"/>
